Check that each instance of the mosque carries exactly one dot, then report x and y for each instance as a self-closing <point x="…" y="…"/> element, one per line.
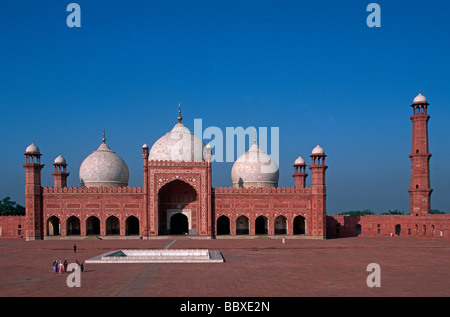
<point x="177" y="197"/>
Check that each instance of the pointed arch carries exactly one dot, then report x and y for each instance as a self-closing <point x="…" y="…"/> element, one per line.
<point x="179" y="224"/>
<point x="242" y="225"/>
<point x="261" y="225"/>
<point x="73" y="226"/>
<point x="132" y="226"/>
<point x="112" y="226"/>
<point x="299" y="225"/>
<point x="53" y="226"/>
<point x="398" y="229"/>
<point x="223" y="225"/>
<point x="177" y="196"/>
<point x="92" y="225"/>
<point x="280" y="225"/>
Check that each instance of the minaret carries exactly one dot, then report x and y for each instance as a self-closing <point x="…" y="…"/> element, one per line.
<point x="33" y="194"/>
<point x="420" y="190"/>
<point x="145" y="154"/>
<point x="60" y="175"/>
<point x="300" y="173"/>
<point x="208" y="158"/>
<point x="318" y="167"/>
<point x="318" y="193"/>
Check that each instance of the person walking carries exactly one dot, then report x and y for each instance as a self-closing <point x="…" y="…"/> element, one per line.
<point x="74" y="248"/>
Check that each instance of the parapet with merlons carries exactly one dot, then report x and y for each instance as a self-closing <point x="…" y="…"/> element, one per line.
<point x="261" y="190"/>
<point x="92" y="190"/>
<point x="152" y="163"/>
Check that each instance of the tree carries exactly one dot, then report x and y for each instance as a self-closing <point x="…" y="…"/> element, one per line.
<point x="357" y="213"/>
<point x="436" y="212"/>
<point x="393" y="212"/>
<point x="10" y="208"/>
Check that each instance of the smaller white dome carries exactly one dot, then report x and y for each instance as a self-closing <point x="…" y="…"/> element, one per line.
<point x="32" y="148"/>
<point x="104" y="167"/>
<point x="299" y="161"/>
<point x="318" y="150"/>
<point x="59" y="160"/>
<point x="145" y="146"/>
<point x="255" y="168"/>
<point x="420" y="99"/>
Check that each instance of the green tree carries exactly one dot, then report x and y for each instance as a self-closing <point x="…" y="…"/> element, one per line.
<point x="437" y="212"/>
<point x="393" y="212"/>
<point x="357" y="212"/>
<point x="9" y="207"/>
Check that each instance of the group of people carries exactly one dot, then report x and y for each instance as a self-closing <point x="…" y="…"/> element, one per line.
<point x="60" y="266"/>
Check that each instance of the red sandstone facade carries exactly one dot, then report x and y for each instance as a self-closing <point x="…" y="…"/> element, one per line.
<point x="170" y="189"/>
<point x="431" y="226"/>
<point x="178" y="198"/>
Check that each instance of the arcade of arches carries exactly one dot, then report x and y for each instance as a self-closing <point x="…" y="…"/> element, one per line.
<point x="92" y="226"/>
<point x="178" y="224"/>
<point x="243" y="226"/>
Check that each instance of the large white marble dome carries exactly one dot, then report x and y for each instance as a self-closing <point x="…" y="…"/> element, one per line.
<point x="178" y="145"/>
<point x="104" y="168"/>
<point x="255" y="168"/>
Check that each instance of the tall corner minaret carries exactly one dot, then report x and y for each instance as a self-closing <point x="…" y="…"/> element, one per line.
<point x="318" y="192"/>
<point x="145" y="232"/>
<point x="420" y="190"/>
<point x="60" y="174"/>
<point x="33" y="194"/>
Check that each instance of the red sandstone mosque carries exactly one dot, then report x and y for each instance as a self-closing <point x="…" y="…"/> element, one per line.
<point x="177" y="196"/>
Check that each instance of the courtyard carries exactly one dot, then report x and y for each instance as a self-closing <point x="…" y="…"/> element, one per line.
<point x="259" y="267"/>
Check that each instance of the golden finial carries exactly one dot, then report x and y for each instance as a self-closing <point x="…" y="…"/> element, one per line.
<point x="179" y="113"/>
<point x="254" y="137"/>
<point x="104" y="138"/>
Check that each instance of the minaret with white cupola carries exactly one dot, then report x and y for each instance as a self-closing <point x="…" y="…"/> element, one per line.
<point x="420" y="190"/>
<point x="300" y="173"/>
<point x="318" y="193"/>
<point x="60" y="174"/>
<point x="33" y="193"/>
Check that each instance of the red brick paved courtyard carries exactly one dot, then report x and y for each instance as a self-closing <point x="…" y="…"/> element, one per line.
<point x="260" y="267"/>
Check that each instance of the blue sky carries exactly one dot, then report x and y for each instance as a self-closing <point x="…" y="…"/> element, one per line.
<point x="312" y="68"/>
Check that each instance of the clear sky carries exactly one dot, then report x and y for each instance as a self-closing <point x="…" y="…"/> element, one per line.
<point x="312" y="68"/>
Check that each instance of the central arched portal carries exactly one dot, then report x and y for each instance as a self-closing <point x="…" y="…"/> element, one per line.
<point x="177" y="209"/>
